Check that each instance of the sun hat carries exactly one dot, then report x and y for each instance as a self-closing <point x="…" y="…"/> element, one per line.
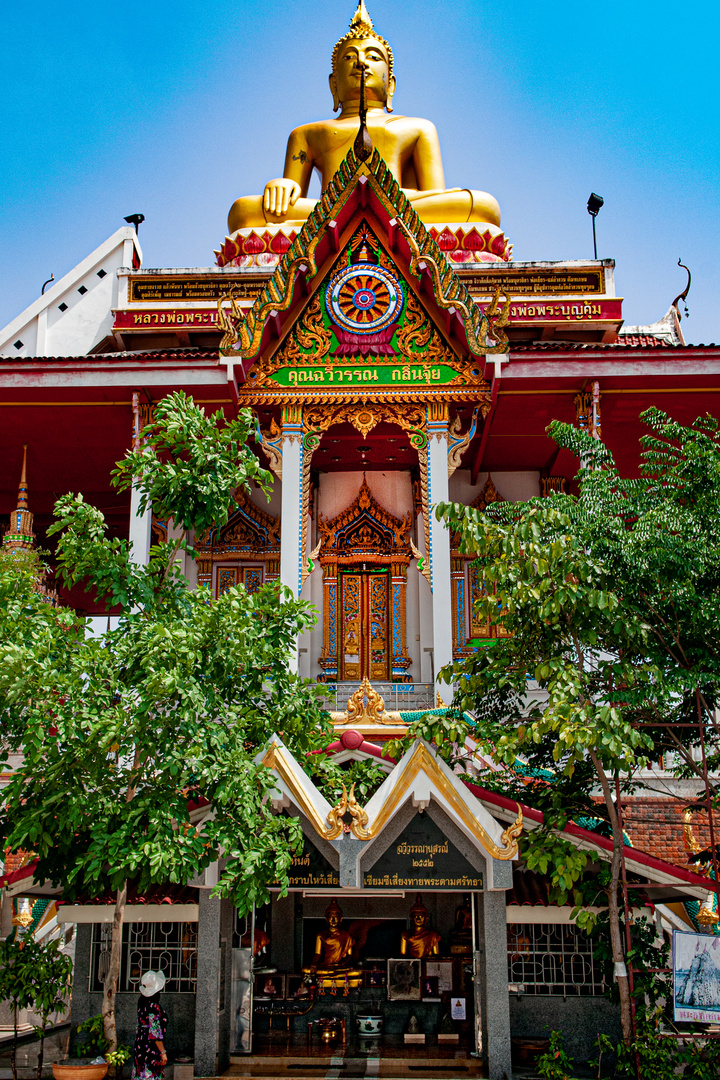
<point x="151" y="983"/>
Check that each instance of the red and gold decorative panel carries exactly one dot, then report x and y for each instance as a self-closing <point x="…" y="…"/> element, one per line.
<point x="377" y="638"/>
<point x="364" y="620"/>
<point x="351" y="626"/>
<point x="249" y="576"/>
<point x="480" y="628"/>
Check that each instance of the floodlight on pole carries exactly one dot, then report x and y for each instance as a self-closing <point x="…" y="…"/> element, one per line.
<point x="136" y="220"/>
<point x="593" y="209"/>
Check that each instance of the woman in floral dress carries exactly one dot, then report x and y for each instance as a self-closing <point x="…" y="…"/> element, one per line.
<point x="149" y="1056"/>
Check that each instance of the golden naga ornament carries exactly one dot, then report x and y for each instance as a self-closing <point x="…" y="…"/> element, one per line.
<point x="363" y="66"/>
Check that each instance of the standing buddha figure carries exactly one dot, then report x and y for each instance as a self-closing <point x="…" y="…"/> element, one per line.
<point x="421" y="941"/>
<point x="408" y="145"/>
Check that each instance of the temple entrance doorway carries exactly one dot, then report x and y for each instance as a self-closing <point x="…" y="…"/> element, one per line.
<point x="365" y="623"/>
<point x="364" y="553"/>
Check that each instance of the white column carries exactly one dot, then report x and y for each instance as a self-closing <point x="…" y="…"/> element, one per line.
<point x="438" y="491"/>
<point x="140" y="530"/>
<point x="291" y="519"/>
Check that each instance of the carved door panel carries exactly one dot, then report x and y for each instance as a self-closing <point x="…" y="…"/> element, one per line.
<point x="364" y="645"/>
<point x="250" y="576"/>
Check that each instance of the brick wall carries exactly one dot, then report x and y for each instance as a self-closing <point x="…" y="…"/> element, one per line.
<point x="655" y="825"/>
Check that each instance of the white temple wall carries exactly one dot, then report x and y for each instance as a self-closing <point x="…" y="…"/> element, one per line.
<point x="393" y="490"/>
<point x="513" y="486"/>
<point x="425" y="603"/>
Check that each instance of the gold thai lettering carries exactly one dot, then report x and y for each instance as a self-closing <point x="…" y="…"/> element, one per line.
<point x="397" y="881"/>
<point x="422" y="849"/>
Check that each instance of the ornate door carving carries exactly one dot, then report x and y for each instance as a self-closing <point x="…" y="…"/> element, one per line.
<point x="365" y="650"/>
<point x="364" y="554"/>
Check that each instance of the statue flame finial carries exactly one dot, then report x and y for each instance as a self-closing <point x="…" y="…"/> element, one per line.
<point x="361" y="17"/>
<point x="361" y="26"/>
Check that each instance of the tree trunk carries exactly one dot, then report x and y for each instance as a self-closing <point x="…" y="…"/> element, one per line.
<point x="113" y="974"/>
<point x="41" y="1055"/>
<point x="618" y="953"/>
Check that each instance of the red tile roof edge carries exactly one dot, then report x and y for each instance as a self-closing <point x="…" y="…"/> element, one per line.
<point x="634" y="854"/>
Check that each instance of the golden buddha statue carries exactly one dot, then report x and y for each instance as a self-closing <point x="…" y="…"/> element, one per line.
<point x="333" y="949"/>
<point x="461" y="936"/>
<point x="421" y="941"/>
<point x="408" y="145"/>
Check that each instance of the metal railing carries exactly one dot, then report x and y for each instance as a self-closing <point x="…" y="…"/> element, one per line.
<point x="398" y="697"/>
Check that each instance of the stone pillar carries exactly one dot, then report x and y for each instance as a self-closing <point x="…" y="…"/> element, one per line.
<point x="438" y="491"/>
<point x="492" y="974"/>
<point x="292" y="523"/>
<point x="225" y="1018"/>
<point x="208" y="981"/>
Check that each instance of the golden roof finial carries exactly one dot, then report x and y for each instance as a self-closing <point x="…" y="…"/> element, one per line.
<point x="22" y="489"/>
<point x="361" y="26"/>
<point x="20" y="534"/>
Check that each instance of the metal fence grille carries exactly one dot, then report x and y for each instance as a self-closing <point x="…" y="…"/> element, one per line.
<point x="398" y="697"/>
<point x="552" y="958"/>
<point x="170" y="947"/>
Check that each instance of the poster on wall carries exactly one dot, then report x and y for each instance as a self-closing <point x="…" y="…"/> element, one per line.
<point x="696" y="977"/>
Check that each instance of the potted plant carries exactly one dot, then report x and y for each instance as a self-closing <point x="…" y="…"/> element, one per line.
<point x="93" y="1042"/>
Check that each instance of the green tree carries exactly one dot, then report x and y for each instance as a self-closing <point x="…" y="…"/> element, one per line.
<point x="51" y="981"/>
<point x="15" y="987"/>
<point x="610" y="604"/>
<point x="126" y="736"/>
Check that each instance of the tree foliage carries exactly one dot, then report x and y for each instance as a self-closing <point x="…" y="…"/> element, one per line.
<point x="606" y="608"/>
<point x="126" y="737"/>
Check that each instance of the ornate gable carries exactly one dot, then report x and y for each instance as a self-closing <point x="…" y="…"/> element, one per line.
<point x="363" y="298"/>
<point x="365" y="530"/>
<point x="249" y="533"/>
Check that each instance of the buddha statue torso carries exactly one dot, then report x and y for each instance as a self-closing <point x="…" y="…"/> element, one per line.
<point x="333" y="947"/>
<point x="420" y="941"/>
<point x="408" y="145"/>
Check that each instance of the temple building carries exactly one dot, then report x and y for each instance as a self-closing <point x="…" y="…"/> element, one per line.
<point x="395" y="355"/>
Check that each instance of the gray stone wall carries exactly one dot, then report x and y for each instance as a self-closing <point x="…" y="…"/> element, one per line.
<point x="580" y="1019"/>
<point x="179" y="1007"/>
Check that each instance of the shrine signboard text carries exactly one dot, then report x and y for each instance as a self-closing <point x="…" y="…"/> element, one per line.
<point x="420" y="858"/>
<point x="311" y="870"/>
<point x="536" y="281"/>
<point x="172" y="288"/>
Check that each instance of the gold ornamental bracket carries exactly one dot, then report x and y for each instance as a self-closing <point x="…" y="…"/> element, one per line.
<point x="366" y="706"/>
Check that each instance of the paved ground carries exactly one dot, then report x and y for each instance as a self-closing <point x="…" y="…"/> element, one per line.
<point x="56" y="1047"/>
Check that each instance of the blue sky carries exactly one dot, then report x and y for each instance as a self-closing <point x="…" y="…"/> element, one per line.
<point x="175" y="109"/>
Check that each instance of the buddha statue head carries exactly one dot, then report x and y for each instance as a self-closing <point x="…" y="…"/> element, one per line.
<point x="419" y="915"/>
<point x="333" y="915"/>
<point x="362" y="48"/>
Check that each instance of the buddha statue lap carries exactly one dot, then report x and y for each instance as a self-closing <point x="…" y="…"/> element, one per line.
<point x="332" y="960"/>
<point x="408" y="145"/>
<point x="420" y="941"/>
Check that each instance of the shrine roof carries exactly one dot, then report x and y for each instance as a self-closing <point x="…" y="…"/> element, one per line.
<point x="628" y="341"/>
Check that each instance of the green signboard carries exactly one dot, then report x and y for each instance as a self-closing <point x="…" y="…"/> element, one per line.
<point x="364" y="374"/>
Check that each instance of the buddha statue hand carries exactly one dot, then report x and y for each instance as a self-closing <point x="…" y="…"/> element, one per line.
<point x="279" y="196"/>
